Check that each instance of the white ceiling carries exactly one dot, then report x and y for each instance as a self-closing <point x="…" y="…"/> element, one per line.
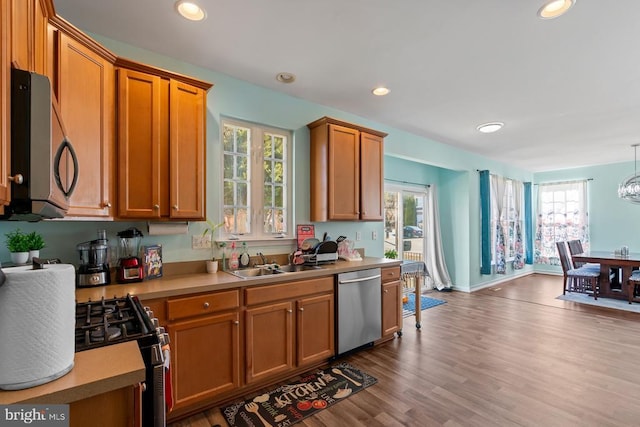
<point x="567" y="89"/>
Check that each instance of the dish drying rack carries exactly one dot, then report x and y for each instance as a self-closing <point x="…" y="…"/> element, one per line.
<point x="414" y="275"/>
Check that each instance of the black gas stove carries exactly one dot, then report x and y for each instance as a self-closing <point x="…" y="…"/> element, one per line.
<point x="116" y="320"/>
<point x="111" y="321"/>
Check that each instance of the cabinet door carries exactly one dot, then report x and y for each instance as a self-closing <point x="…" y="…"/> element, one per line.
<point x="114" y="408"/>
<point x="21" y="35"/>
<point x="139" y="133"/>
<point x="187" y="151"/>
<point x="39" y="37"/>
<point x="315" y="329"/>
<point x="86" y="98"/>
<point x="269" y="341"/>
<point x="371" y="177"/>
<point x="5" y="109"/>
<point x="344" y="173"/>
<point x="205" y="356"/>
<point x="391" y="307"/>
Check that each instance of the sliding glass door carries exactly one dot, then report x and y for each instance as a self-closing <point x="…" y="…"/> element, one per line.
<point x="404" y="223"/>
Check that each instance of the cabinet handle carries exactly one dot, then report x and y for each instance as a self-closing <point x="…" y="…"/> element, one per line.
<point x="236" y="322"/>
<point x="156" y="206"/>
<point x="175" y="207"/>
<point x="289" y="311"/>
<point x="206" y="305"/>
<point x="106" y="204"/>
<point x="386" y="291"/>
<point x="301" y="308"/>
<point x="16" y="179"/>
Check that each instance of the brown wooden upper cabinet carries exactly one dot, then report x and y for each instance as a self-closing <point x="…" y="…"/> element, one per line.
<point x="82" y="77"/>
<point x="346" y="171"/>
<point x="5" y="106"/>
<point x="29" y="33"/>
<point x="161" y="144"/>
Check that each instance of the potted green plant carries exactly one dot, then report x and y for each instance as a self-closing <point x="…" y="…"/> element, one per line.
<point x="36" y="242"/>
<point x="212" y="264"/>
<point x="18" y="245"/>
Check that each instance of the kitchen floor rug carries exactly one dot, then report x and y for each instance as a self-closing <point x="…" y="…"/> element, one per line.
<point x="299" y="398"/>
<point x="409" y="307"/>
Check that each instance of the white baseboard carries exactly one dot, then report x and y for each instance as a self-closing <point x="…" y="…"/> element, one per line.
<point x="501" y="280"/>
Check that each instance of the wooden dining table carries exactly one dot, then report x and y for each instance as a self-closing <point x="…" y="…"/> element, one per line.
<point x="613" y="267"/>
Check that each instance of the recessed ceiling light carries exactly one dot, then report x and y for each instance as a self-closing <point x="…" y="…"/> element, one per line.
<point x="490" y="127"/>
<point x="554" y="8"/>
<point x="285" y="77"/>
<point x="190" y="10"/>
<point x="380" y="91"/>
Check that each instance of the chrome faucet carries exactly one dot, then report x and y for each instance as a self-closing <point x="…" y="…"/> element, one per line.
<point x="262" y="257"/>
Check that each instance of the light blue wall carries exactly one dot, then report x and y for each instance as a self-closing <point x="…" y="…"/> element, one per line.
<point x="407" y="157"/>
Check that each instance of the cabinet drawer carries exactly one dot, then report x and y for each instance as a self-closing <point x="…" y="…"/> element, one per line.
<point x="202" y="304"/>
<point x="270" y="293"/>
<point x="390" y="274"/>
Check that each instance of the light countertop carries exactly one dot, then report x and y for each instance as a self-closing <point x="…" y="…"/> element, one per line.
<point x="95" y="371"/>
<point x="203" y="282"/>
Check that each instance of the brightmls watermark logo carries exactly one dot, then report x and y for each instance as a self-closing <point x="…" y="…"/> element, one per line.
<point x="34" y="415"/>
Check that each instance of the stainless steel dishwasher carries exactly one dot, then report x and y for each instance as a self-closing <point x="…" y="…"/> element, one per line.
<point x="359" y="308"/>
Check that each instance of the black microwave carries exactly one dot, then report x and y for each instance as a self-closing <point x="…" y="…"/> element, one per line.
<point x="44" y="165"/>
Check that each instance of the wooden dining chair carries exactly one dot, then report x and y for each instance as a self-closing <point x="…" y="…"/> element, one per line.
<point x="579" y="280"/>
<point x="633" y="285"/>
<point x="575" y="247"/>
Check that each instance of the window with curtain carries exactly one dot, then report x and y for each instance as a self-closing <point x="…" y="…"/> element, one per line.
<point x="562" y="216"/>
<point x="507" y="211"/>
<point x="257" y="195"/>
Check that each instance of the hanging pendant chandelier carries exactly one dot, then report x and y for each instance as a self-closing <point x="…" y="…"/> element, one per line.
<point x="629" y="189"/>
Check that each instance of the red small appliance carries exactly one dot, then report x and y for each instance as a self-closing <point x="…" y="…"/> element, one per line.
<point x="130" y="267"/>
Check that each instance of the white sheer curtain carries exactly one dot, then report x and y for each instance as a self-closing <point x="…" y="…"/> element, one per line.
<point x="498" y="185"/>
<point x="506" y="221"/>
<point x="434" y="258"/>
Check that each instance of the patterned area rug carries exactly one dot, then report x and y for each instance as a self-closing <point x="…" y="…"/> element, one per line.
<point x="409" y="308"/>
<point x="618" y="304"/>
<point x="300" y="398"/>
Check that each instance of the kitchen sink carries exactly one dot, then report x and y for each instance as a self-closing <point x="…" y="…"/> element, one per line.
<point x="255" y="272"/>
<point x="292" y="268"/>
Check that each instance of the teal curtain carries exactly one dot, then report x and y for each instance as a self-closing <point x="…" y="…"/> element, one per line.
<point x="485" y="223"/>
<point x="528" y="223"/>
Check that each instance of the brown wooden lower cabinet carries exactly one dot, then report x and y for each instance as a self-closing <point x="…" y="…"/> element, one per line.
<point x="391" y="301"/>
<point x="205" y="346"/>
<point x="270" y="339"/>
<point x="114" y="408"/>
<point x="229" y="342"/>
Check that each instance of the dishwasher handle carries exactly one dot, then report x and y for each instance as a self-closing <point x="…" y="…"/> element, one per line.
<point x="360" y="279"/>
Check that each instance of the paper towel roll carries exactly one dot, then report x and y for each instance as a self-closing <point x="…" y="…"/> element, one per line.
<point x="37" y="323"/>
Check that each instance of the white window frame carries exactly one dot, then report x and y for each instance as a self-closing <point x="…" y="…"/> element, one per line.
<point x="256" y="183"/>
<point x="557" y="201"/>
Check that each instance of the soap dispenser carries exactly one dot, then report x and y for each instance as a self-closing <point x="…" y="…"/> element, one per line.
<point x="244" y="259"/>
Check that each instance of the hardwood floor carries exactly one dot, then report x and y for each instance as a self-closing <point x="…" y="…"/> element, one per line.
<point x="511" y="355"/>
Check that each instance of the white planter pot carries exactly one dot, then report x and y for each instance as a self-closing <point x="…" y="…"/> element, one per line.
<point x="19" y="258"/>
<point x="212" y="267"/>
<point x="33" y="254"/>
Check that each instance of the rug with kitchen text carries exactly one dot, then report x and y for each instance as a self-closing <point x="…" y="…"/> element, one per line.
<point x="299" y="398"/>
